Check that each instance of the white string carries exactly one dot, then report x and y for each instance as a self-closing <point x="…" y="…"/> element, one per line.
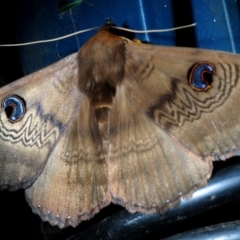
<point x="90" y="29"/>
<point x="155" y="30"/>
<point x="48" y="40"/>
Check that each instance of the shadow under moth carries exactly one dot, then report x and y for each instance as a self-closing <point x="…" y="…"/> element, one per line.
<point x="124" y="122"/>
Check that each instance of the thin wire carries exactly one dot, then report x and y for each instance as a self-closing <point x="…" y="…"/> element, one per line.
<point x="90" y="29"/>
<point x="155" y="30"/>
<point x="48" y="40"/>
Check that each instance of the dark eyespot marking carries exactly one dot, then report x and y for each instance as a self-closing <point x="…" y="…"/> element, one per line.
<point x="200" y="76"/>
<point x="15" y="107"/>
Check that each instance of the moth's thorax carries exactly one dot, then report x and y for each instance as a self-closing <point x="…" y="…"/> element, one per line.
<point x="101" y="63"/>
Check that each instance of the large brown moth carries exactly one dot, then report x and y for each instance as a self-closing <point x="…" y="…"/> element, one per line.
<point x="124" y="122"/>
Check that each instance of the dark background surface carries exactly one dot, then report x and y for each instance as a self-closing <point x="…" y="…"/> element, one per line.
<point x="218" y="27"/>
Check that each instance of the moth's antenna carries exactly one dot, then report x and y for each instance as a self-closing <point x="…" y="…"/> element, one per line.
<point x="49" y="40"/>
<point x="154" y="30"/>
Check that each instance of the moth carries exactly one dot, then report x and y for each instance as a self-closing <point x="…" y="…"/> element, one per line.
<point x="120" y="121"/>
